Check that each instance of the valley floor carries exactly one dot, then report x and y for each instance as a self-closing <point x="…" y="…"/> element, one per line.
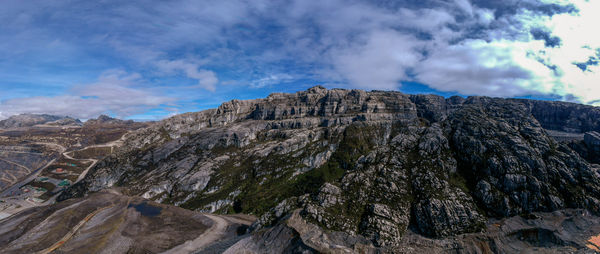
<point x="106" y="222"/>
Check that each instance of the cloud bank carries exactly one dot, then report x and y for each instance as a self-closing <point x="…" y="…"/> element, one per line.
<point x="547" y="48"/>
<point x="115" y="92"/>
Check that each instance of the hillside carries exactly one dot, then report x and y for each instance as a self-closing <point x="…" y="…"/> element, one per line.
<point x="370" y="169"/>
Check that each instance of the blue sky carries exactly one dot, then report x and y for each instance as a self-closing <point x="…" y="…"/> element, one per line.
<point x="151" y="59"/>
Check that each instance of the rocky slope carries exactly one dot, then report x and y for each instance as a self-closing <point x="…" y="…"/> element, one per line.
<point x="106" y="120"/>
<point x="371" y="167"/>
<point x="67" y="121"/>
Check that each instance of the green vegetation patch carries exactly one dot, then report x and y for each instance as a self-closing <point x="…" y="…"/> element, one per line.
<point x="46" y="185"/>
<point x="459" y="181"/>
<point x="264" y="182"/>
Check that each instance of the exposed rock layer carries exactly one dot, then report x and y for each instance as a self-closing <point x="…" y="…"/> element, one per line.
<point x="370" y="164"/>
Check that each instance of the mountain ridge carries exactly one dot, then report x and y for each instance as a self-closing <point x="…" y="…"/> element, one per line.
<point x="29" y="120"/>
<point x="371" y="164"/>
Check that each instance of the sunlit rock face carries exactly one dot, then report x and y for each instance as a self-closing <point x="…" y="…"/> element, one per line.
<point x="371" y="165"/>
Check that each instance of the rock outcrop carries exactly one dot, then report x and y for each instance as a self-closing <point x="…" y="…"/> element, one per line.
<point x="565" y="231"/>
<point x="592" y="140"/>
<point x="374" y="165"/>
<point x="564" y="116"/>
<point x="67" y="121"/>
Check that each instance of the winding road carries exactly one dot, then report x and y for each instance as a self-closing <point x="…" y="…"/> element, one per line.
<point x="84" y="173"/>
<point x="111" y="144"/>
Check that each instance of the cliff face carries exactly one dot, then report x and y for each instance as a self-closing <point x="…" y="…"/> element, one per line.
<point x="562" y="116"/>
<point x="367" y="164"/>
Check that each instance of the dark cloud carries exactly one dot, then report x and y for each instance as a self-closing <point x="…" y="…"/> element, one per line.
<point x="592" y="61"/>
<point x="546" y="36"/>
<point x="512" y="7"/>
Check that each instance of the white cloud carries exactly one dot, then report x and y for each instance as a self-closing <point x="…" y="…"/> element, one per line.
<point x="465" y="6"/>
<point x="471" y="47"/>
<point x="380" y="63"/>
<point x="387" y="45"/>
<point x="580" y="41"/>
<point x="513" y="63"/>
<point x="477" y="67"/>
<point x="115" y="92"/>
<point x="426" y="20"/>
<point x="478" y="56"/>
<point x="272" y="79"/>
<point x="206" y="79"/>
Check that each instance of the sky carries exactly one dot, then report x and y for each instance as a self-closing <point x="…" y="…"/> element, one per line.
<point x="147" y="60"/>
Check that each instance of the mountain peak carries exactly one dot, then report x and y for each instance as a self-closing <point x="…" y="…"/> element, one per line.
<point x="105" y="119"/>
<point x="317" y="89"/>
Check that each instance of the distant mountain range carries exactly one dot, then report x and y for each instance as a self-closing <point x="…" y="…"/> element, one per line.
<point x="30" y="120"/>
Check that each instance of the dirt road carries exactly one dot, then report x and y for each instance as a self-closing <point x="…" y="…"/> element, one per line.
<point x="73" y="230"/>
<point x="16" y="164"/>
<point x="112" y="145"/>
<point x="219" y="230"/>
<point x="84" y="173"/>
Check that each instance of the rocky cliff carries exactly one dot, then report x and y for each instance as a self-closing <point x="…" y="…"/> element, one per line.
<point x="371" y="166"/>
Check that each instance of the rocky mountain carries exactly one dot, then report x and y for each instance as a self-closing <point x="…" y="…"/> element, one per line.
<point x="350" y="170"/>
<point x="28" y="120"/>
<point x="67" y="121"/>
<point x="104" y="120"/>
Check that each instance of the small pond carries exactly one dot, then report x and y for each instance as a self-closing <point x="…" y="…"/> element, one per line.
<point x="146" y="209"/>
